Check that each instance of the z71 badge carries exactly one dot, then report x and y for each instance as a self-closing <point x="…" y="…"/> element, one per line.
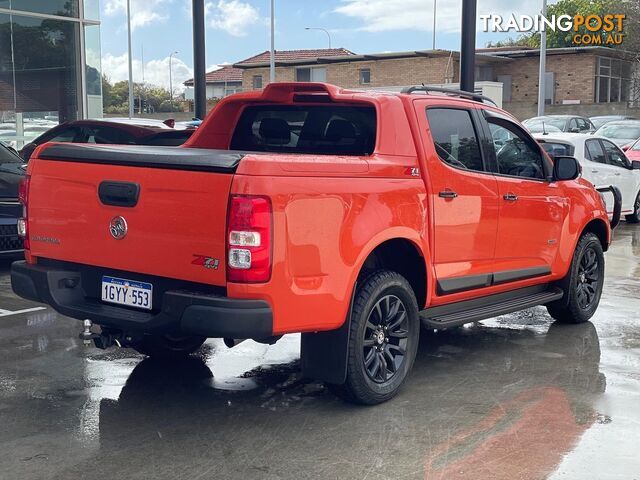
<point x="206" y="262"/>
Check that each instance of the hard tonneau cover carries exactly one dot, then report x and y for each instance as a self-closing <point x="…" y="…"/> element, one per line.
<point x="175" y="158"/>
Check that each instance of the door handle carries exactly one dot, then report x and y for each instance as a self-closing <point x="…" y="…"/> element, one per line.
<point x="510" y="197"/>
<point x="595" y="171"/>
<point x="119" y="194"/>
<point x="447" y="194"/>
<point x="617" y="174"/>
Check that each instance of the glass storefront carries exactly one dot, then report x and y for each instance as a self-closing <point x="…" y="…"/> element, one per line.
<point x="63" y="8"/>
<point x="43" y="45"/>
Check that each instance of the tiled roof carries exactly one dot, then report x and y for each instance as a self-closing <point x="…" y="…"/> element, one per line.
<point x="292" y="55"/>
<point x="227" y="73"/>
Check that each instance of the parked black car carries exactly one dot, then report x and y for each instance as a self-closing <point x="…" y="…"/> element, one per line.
<point x="12" y="170"/>
<point x="118" y="132"/>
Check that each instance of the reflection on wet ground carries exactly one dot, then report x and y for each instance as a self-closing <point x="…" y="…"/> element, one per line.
<point x="516" y="397"/>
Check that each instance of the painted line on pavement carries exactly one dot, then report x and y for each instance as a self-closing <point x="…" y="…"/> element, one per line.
<point x="7" y="313"/>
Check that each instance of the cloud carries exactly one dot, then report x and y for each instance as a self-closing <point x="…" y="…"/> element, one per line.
<point x="232" y="16"/>
<point x="389" y="15"/>
<point x="156" y="72"/>
<point x="143" y="12"/>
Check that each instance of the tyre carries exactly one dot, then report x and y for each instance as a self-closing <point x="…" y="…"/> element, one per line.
<point x="383" y="339"/>
<point x="583" y="284"/>
<point x="635" y="216"/>
<point x="165" y="346"/>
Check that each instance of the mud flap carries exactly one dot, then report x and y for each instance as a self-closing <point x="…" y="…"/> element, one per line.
<point x="323" y="355"/>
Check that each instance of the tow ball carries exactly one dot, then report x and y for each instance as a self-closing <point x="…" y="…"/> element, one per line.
<point x="105" y="339"/>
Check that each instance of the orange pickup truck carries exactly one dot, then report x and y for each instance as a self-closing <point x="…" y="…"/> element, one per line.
<point x="350" y="216"/>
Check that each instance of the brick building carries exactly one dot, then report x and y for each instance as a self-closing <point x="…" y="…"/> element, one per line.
<point x="586" y="80"/>
<point x="220" y="83"/>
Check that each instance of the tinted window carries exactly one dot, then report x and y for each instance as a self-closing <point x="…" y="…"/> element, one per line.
<point x="106" y="135"/>
<point x="518" y="155"/>
<point x="595" y="153"/>
<point x="556" y="149"/>
<point x="327" y="130"/>
<point x="455" y="138"/>
<point x="583" y="125"/>
<point x="573" y="125"/>
<point x="615" y="156"/>
<point x="62" y="135"/>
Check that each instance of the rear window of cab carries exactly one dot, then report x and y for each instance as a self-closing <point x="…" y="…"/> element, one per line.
<point x="312" y="129"/>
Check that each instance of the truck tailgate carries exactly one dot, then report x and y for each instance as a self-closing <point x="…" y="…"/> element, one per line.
<point x="176" y="229"/>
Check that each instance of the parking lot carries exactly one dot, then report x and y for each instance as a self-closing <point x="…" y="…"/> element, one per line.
<point x="513" y="397"/>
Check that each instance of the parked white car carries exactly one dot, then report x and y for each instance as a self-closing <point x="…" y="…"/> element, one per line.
<point x="603" y="164"/>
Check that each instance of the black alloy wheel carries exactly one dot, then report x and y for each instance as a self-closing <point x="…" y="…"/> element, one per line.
<point x="385" y="339"/>
<point x="583" y="283"/>
<point x="588" y="279"/>
<point x="384" y="332"/>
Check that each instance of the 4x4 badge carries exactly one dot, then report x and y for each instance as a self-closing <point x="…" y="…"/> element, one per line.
<point x="206" y="262"/>
<point x="118" y="227"/>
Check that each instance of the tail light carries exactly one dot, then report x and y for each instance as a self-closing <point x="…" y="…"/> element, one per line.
<point x="249" y="239"/>
<point x="23" y="222"/>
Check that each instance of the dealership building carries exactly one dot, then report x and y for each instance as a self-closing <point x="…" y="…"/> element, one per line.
<point x="585" y="80"/>
<point x="50" y="68"/>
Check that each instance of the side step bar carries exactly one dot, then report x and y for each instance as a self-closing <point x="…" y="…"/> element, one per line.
<point x="453" y="315"/>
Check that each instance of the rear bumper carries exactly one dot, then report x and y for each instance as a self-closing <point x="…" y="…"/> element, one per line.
<point x="181" y="311"/>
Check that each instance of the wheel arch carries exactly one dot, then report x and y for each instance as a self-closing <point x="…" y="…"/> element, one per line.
<point x="600" y="229"/>
<point x="403" y="255"/>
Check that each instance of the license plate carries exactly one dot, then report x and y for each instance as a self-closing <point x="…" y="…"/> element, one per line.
<point x="127" y="292"/>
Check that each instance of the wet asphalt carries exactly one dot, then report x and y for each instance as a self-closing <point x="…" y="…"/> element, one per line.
<point x="515" y="397"/>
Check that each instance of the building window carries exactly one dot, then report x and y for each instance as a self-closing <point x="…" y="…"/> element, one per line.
<point x="484" y="74"/>
<point x="257" y="82"/>
<point x="612" y="80"/>
<point x="365" y="76"/>
<point x="311" y="74"/>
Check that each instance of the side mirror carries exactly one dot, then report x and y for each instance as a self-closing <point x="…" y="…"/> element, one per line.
<point x="635" y="165"/>
<point x="566" y="168"/>
<point x="626" y="148"/>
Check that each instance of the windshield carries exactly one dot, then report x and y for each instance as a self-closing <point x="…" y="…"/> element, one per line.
<point x="537" y="123"/>
<point x="598" y="122"/>
<point x="557" y="149"/>
<point x="620" y="131"/>
<point x="542" y="127"/>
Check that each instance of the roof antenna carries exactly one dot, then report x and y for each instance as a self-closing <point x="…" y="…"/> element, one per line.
<point x="544" y="129"/>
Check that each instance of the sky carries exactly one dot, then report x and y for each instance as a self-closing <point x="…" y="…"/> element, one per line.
<point x="238" y="29"/>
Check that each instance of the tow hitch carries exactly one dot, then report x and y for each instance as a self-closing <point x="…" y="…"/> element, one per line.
<point x="617" y="203"/>
<point x="106" y="338"/>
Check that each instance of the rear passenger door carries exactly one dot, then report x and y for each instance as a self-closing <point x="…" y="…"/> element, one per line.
<point x="532" y="209"/>
<point x="464" y="197"/>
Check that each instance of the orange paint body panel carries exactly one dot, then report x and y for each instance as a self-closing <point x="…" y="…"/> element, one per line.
<point x="329" y="212"/>
<point x="180" y="214"/>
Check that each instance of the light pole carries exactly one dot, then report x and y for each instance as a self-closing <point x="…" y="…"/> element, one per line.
<point x="130" y="59"/>
<point x="435" y="11"/>
<point x="272" y="53"/>
<point x="171" y="81"/>
<point x="543" y="65"/>
<point x="323" y="30"/>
